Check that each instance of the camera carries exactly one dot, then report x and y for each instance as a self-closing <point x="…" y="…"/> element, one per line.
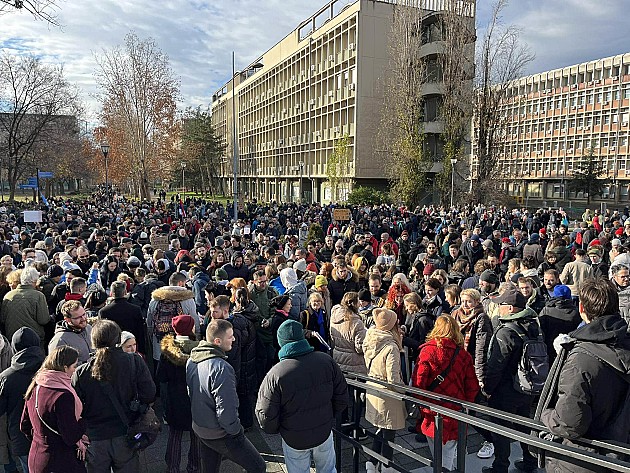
<point x="137" y="406"/>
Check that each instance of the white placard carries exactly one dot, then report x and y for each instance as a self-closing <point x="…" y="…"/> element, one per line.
<point x="32" y="215"/>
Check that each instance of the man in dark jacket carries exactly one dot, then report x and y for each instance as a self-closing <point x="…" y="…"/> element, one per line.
<point x="299" y="398"/>
<point x="589" y="397"/>
<point x="505" y="352"/>
<point x="13" y="384"/>
<point x="343" y="280"/>
<point x="127" y="315"/>
<point x="141" y="293"/>
<point x="235" y="268"/>
<point x="214" y="406"/>
<point x="560" y="315"/>
<point x="472" y="250"/>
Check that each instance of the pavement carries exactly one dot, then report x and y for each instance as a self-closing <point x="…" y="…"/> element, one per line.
<point x="270" y="447"/>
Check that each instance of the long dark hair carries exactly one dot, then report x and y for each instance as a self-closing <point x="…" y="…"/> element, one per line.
<point x="105" y="337"/>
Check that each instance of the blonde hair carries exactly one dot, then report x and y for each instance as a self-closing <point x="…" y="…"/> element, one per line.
<point x="315" y="295"/>
<point x="446" y="327"/>
<point x="472" y="293"/>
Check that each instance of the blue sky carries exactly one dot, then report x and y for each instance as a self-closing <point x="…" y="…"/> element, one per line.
<point x="199" y="35"/>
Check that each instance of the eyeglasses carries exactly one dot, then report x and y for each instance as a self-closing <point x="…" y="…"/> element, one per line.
<point x="261" y="281"/>
<point x="79" y="317"/>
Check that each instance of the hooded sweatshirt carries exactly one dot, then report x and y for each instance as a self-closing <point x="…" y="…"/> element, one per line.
<point x="76" y="338"/>
<point x="212" y="388"/>
<point x="295" y="289"/>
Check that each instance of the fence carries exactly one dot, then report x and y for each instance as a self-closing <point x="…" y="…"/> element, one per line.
<point x="609" y="456"/>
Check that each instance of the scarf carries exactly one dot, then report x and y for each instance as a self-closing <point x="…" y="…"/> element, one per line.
<point x="295" y="349"/>
<point x="320" y="323"/>
<point x="59" y="380"/>
<point x="72" y="297"/>
<point x="466" y="322"/>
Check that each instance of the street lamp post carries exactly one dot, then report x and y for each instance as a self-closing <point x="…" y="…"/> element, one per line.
<point x="105" y="151"/>
<point x="183" y="164"/>
<point x="453" y="163"/>
<point x="301" y="163"/>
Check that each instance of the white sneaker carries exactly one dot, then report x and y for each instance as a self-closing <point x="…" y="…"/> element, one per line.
<point x="486" y="450"/>
<point x="370" y="467"/>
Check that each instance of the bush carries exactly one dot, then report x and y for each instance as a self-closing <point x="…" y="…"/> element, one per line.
<point x="367" y="196"/>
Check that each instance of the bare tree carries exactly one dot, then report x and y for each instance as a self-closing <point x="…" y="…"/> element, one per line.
<point x="401" y="138"/>
<point x="456" y="34"/>
<point x="139" y="92"/>
<point x="37" y="107"/>
<point x="502" y="58"/>
<point x="41" y="9"/>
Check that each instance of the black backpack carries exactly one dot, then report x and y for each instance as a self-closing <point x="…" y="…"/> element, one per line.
<point x="533" y="366"/>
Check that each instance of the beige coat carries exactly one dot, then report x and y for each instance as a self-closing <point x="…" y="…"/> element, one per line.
<point x="348" y="338"/>
<point x="574" y="274"/>
<point x="382" y="355"/>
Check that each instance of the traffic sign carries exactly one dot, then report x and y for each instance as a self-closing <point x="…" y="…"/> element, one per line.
<point x="27" y="186"/>
<point x="32" y="180"/>
<point x="45" y="174"/>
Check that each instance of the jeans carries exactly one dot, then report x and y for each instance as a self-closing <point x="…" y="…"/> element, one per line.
<point x="104" y="456"/>
<point x="515" y="403"/>
<point x="449" y="453"/>
<point x="299" y="461"/>
<point x="237" y="448"/>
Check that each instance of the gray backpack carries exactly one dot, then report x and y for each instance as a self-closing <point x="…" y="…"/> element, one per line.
<point x="533" y="366"/>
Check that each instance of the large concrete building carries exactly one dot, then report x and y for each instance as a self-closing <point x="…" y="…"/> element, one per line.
<point x="320" y="83"/>
<point x="553" y="120"/>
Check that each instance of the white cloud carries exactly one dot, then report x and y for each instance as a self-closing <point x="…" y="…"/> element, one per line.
<point x="199" y="35"/>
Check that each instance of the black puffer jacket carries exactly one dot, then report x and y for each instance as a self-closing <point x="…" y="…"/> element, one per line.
<point x="172" y="371"/>
<point x="13" y="384"/>
<point x="478" y="331"/>
<point x="141" y="293"/>
<point x="300" y="397"/>
<point x="505" y="351"/>
<point x="588" y="397"/>
<point x="420" y="324"/>
<point x="558" y="316"/>
<point x="338" y="287"/>
<point x="250" y="317"/>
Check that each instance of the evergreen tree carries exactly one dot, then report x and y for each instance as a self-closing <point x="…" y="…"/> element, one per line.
<point x="587" y="175"/>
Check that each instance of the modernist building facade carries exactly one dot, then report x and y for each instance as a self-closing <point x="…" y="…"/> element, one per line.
<point x="320" y="83"/>
<point x="554" y="118"/>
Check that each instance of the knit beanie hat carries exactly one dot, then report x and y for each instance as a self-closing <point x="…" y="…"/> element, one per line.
<point x="279" y="302"/>
<point x="54" y="271"/>
<point x="125" y="337"/>
<point x="320" y="281"/>
<point x="489" y="276"/>
<point x="384" y="319"/>
<point x="364" y="295"/>
<point x="428" y="269"/>
<point x="300" y="265"/>
<point x="183" y="325"/>
<point x="290" y="331"/>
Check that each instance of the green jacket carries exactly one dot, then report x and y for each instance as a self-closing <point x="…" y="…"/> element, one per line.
<point x="24" y="306"/>
<point x="261" y="299"/>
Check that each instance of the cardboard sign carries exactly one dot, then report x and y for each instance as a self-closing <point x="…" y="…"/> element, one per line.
<point x="341" y="215"/>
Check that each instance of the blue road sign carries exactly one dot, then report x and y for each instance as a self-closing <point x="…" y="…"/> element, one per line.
<point x="45" y="174"/>
<point x="31" y="180"/>
<point x="27" y="186"/>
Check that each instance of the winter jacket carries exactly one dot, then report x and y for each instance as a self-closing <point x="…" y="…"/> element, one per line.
<point x="297" y="291"/>
<point x="338" y="287"/>
<point x="563" y="256"/>
<point x="300" y="397"/>
<point x="471" y="254"/>
<point x="24" y="306"/>
<point x="79" y="339"/>
<point x="236" y="272"/>
<point x="250" y="315"/>
<point x="13" y="384"/>
<point x="128" y="317"/>
<point x="574" y="274"/>
<point x="141" y="293"/>
<point x="261" y="299"/>
<point x="348" y="338"/>
<point x="478" y="333"/>
<point x="418" y="325"/>
<point x="382" y="356"/>
<point x="505" y="351"/>
<point x="558" y="316"/>
<point x="535" y="250"/>
<point x="460" y="383"/>
<point x="212" y="389"/>
<point x="590" y="392"/>
<point x="276" y="320"/>
<point x="52" y="451"/>
<point x="171" y="293"/>
<point x="172" y="372"/>
<point x="309" y="320"/>
<point x="131" y="379"/>
<point x="199" y="283"/>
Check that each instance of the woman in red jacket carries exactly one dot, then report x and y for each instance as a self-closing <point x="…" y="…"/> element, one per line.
<point x="445" y="344"/>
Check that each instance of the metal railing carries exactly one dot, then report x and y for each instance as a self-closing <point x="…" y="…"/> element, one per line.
<point x="606" y="456"/>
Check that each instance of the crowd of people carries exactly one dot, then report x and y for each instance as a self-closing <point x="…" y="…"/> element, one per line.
<point x="108" y="305"/>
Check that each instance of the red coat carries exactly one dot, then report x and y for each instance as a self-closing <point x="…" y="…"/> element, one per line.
<point x="461" y="382"/>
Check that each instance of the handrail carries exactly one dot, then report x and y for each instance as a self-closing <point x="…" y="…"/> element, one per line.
<point x="496" y="413"/>
<point x="385" y="389"/>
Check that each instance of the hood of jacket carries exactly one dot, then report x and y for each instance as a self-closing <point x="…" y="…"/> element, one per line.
<point x="25" y="337"/>
<point x="563" y="309"/>
<point x="523" y="314"/>
<point x="205" y="351"/>
<point x="375" y="340"/>
<point x="172" y="293"/>
<point x="289" y="278"/>
<point x="338" y="313"/>
<point x="609" y="340"/>
<point x="177" y="351"/>
<point x="250" y="312"/>
<point x="63" y="326"/>
<point x="201" y="276"/>
<point x="351" y="274"/>
<point x="28" y="359"/>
